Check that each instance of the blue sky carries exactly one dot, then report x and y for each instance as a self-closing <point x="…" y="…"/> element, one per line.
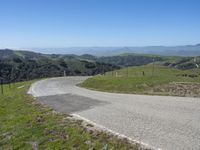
<point x="66" y="23"/>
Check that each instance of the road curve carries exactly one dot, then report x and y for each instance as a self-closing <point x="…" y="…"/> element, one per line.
<point x="171" y="123"/>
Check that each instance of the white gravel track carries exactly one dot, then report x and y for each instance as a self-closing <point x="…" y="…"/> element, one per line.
<point x="163" y="122"/>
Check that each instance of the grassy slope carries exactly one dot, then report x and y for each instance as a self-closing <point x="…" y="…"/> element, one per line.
<point x="135" y="82"/>
<point x="26" y="124"/>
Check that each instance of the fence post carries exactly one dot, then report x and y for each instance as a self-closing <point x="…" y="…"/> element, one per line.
<point x="127" y="71"/>
<point x="153" y="67"/>
<point x="2" y="87"/>
<point x="9" y="85"/>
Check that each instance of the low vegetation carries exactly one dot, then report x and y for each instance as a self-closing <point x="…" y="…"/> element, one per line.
<point x="26" y="124"/>
<point x="26" y="65"/>
<point x="131" y="59"/>
<point x="183" y="63"/>
<point x="148" y="80"/>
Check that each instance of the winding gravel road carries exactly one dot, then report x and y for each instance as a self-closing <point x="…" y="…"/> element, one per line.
<point x="163" y="122"/>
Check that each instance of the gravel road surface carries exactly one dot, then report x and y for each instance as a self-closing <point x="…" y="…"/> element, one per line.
<point x="163" y="122"/>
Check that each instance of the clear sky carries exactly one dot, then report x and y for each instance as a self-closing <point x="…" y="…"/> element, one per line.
<point x="66" y="23"/>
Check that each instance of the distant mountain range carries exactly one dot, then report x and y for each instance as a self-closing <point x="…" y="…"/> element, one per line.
<point x="186" y="50"/>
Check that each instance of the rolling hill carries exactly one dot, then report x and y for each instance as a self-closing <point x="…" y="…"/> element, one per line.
<point x="26" y="65"/>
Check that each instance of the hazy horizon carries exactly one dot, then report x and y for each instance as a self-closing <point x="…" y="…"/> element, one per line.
<point x="33" y="48"/>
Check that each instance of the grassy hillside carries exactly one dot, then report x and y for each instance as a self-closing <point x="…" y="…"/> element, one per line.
<point x="134" y="59"/>
<point x="25" y="65"/>
<point x="130" y="59"/>
<point x="183" y="63"/>
<point x="146" y="80"/>
<point x="26" y="124"/>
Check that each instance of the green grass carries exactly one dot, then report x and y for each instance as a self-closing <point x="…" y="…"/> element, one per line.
<point x="131" y="80"/>
<point x="26" y="124"/>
